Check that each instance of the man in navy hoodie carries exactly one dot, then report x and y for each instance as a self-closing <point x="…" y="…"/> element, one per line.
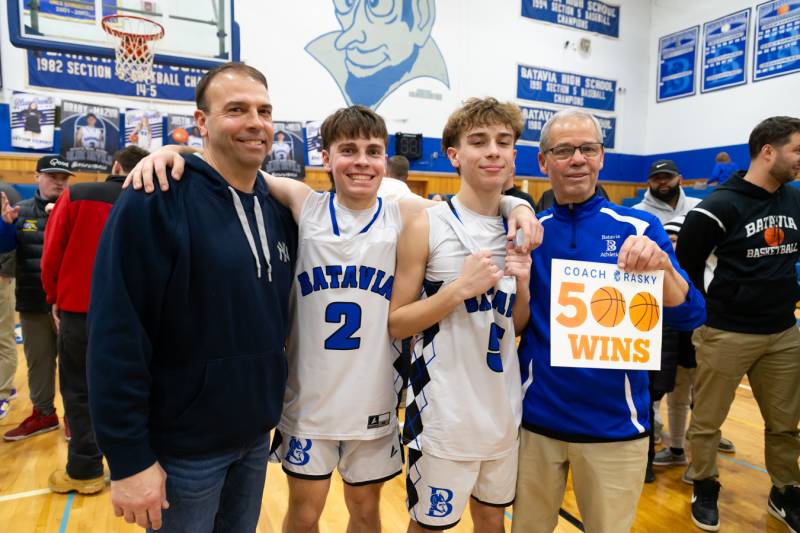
<point x="187" y="322"/>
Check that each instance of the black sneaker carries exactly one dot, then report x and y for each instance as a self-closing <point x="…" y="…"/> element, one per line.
<point x="785" y="506"/>
<point x="705" y="513"/>
<point x="649" y="474"/>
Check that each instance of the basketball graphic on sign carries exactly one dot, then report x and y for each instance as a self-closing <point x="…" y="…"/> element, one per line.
<point x="773" y="236"/>
<point x="180" y="135"/>
<point x="643" y="311"/>
<point x="608" y="306"/>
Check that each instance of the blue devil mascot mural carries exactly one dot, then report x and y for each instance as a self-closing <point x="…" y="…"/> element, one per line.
<point x="381" y="45"/>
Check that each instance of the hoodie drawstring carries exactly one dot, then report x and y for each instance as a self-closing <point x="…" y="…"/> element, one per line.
<point x="237" y="202"/>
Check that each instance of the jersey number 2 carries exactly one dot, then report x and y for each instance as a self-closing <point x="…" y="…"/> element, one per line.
<point x="350" y="314"/>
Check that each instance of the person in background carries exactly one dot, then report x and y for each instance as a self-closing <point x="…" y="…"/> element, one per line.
<point x="70" y="245"/>
<point x="8" y="342"/>
<point x="741" y="246"/>
<point x="723" y="169"/>
<point x="29" y="218"/>
<point x="509" y="189"/>
<point x="394" y="186"/>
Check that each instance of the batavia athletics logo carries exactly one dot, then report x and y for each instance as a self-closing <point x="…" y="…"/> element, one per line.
<point x="381" y="45"/>
<point x="298" y="451"/>
<point x="440" y="502"/>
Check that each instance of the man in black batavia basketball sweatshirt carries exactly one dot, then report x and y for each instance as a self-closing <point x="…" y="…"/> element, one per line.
<point x="740" y="245"/>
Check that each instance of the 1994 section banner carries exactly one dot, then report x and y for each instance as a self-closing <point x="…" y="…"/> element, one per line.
<point x="587" y="15"/>
<point x="96" y="74"/>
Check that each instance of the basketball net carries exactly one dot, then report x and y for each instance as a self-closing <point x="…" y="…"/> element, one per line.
<point x="134" y="46"/>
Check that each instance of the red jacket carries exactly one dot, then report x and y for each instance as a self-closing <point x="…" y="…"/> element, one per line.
<point x="70" y="242"/>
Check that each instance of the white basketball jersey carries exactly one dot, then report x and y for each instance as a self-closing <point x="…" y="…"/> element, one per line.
<point x="281" y="151"/>
<point x="464" y="396"/>
<point x="342" y="383"/>
<point x="91" y="137"/>
<point x="143" y="138"/>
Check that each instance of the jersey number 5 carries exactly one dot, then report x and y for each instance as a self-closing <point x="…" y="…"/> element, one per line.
<point x="350" y="314"/>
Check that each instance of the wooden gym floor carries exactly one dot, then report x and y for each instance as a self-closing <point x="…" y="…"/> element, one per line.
<point x="26" y="506"/>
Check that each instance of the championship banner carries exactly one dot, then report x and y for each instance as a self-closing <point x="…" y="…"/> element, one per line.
<point x="677" y="57"/>
<point x="288" y="150"/>
<point x="89" y="136"/>
<point x="32" y="121"/>
<point x="95" y="74"/>
<point x="564" y="88"/>
<point x="602" y="317"/>
<point x="314" y="142"/>
<point x="592" y="15"/>
<point x="144" y="128"/>
<point x="536" y="117"/>
<point x="64" y="9"/>
<point x="181" y="129"/>
<point x="777" y="42"/>
<point x="725" y="51"/>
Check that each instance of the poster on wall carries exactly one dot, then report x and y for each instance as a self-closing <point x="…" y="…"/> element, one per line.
<point x="181" y="129"/>
<point x="777" y="39"/>
<point x="725" y="51"/>
<point x="32" y="121"/>
<point x="597" y="17"/>
<point x="378" y="47"/>
<point x="564" y="88"/>
<point x="536" y="117"/>
<point x="287" y="158"/>
<point x="144" y="128"/>
<point x="677" y="59"/>
<point x="89" y="135"/>
<point x="314" y="142"/>
<point x="95" y="74"/>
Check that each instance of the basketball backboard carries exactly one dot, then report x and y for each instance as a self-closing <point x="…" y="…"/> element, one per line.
<point x="198" y="33"/>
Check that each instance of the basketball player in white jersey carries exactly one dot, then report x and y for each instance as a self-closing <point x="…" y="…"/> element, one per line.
<point x="90" y="136"/>
<point x="339" y="407"/>
<point x="281" y="150"/>
<point x="464" y="397"/>
<point x="142" y="134"/>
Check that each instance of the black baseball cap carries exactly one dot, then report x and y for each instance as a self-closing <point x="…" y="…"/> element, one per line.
<point x="53" y="164"/>
<point x="665" y="166"/>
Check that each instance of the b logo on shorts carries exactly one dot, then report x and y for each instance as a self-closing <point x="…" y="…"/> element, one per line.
<point x="440" y="502"/>
<point x="297" y="451"/>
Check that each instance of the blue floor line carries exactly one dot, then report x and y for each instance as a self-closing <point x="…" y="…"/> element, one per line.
<point x="743" y="463"/>
<point x="65" y="516"/>
<point x="509" y="516"/>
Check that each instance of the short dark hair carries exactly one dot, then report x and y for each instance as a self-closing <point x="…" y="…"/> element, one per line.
<point x="398" y="167"/>
<point x="354" y="122"/>
<point x="233" y="66"/>
<point x="775" y="131"/>
<point x="129" y="156"/>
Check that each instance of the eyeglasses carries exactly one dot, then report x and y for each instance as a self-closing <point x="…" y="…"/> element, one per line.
<point x="566" y="151"/>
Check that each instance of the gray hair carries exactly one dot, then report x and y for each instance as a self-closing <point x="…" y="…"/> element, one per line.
<point x="566" y="114"/>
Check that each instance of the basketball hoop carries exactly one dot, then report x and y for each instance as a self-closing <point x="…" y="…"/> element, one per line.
<point x="135" y="46"/>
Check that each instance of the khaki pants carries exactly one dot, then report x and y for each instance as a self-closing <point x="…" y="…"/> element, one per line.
<point x="8" y="339"/>
<point x="772" y="364"/>
<point x="607" y="478"/>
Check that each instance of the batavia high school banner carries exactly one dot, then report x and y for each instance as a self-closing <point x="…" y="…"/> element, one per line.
<point x="564" y="88"/>
<point x="602" y="317"/>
